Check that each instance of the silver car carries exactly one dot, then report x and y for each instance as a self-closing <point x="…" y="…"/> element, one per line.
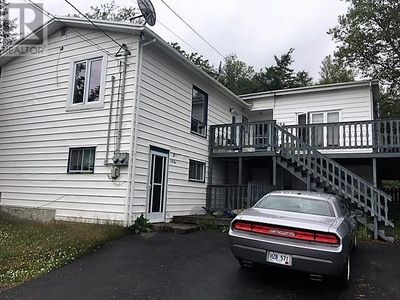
<point x="306" y="231"/>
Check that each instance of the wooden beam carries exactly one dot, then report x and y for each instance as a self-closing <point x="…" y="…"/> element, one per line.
<point x="240" y="173"/>
<point x="274" y="170"/>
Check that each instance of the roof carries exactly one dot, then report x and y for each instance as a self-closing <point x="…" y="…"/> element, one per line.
<point x="310" y="89"/>
<point x="57" y="23"/>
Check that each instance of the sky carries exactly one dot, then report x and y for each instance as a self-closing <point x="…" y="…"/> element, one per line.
<point x="255" y="30"/>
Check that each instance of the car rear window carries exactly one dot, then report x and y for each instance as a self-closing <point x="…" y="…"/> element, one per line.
<point x="297" y="204"/>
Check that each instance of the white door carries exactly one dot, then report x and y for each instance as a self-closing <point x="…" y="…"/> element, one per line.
<point x="157" y="187"/>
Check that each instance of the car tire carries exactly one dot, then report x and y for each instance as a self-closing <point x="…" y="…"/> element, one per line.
<point x="245" y="264"/>
<point x="344" y="277"/>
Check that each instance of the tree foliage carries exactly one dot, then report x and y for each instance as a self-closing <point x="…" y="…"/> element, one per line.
<point x="198" y="60"/>
<point x="332" y="71"/>
<point x="112" y="12"/>
<point x="237" y="76"/>
<point x="281" y="75"/>
<point x="7" y="36"/>
<point x="368" y="38"/>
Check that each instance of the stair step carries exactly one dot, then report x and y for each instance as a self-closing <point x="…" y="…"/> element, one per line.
<point x="175" y="227"/>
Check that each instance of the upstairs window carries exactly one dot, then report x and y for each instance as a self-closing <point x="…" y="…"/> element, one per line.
<point x="199" y="111"/>
<point x="87" y="79"/>
<point x="81" y="160"/>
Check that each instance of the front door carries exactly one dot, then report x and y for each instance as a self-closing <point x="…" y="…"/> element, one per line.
<point x="157" y="187"/>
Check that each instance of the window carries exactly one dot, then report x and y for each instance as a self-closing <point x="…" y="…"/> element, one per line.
<point x="87" y="82"/>
<point x="297" y="205"/>
<point x="196" y="171"/>
<point x="81" y="160"/>
<point x="325" y="135"/>
<point x="199" y="111"/>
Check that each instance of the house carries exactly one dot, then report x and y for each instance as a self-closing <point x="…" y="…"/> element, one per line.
<point x="107" y="129"/>
<point x="58" y="134"/>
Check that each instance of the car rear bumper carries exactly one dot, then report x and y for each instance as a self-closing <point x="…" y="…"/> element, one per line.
<point x="315" y="260"/>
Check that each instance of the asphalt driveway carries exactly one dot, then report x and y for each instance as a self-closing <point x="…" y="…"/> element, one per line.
<point x="200" y="266"/>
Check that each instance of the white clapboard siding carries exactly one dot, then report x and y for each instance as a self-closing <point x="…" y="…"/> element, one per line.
<point x="165" y="121"/>
<point x="36" y="131"/>
<point x="353" y="103"/>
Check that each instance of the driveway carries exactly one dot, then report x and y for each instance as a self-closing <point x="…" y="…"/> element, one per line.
<point x="200" y="266"/>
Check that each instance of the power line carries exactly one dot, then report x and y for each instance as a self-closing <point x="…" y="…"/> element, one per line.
<point x="176" y="35"/>
<point x="188" y="25"/>
<point x="45" y="12"/>
<point x="109" y="36"/>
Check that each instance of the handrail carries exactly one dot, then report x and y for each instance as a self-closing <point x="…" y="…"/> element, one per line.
<point x="307" y="156"/>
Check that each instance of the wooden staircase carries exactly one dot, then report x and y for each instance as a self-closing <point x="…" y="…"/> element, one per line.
<point x="322" y="174"/>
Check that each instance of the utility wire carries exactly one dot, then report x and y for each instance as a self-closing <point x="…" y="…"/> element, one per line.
<point x="109" y="36"/>
<point x="188" y="25"/>
<point x="172" y="32"/>
<point x="45" y="12"/>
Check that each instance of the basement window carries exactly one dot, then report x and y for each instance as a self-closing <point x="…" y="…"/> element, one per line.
<point x="81" y="160"/>
<point x="197" y="171"/>
<point x="87" y="82"/>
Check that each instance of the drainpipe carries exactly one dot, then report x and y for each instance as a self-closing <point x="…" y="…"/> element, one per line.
<point x="109" y="120"/>
<point x="135" y="118"/>
<point x="121" y="111"/>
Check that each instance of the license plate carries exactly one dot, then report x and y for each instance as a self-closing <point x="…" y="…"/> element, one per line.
<point x="279" y="258"/>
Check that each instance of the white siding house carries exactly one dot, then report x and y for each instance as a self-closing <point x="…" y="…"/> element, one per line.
<point x="352" y="101"/>
<point x="39" y="124"/>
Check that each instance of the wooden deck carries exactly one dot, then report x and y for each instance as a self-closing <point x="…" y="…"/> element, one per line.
<point x="376" y="138"/>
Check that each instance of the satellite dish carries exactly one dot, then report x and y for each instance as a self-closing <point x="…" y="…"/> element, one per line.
<point x="148" y="12"/>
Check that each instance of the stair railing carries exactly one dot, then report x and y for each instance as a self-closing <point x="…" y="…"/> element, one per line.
<point x="339" y="178"/>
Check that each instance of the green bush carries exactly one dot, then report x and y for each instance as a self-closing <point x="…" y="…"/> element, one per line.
<point x="141" y="224"/>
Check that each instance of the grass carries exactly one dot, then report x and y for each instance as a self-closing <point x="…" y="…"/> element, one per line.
<point x="29" y="249"/>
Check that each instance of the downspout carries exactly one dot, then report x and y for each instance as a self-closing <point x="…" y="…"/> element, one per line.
<point x="135" y="119"/>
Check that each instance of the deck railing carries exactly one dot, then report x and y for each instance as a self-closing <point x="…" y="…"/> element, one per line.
<point x="380" y="136"/>
<point x="229" y="197"/>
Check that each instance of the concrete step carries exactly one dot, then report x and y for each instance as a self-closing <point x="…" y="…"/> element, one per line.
<point x="175" y="227"/>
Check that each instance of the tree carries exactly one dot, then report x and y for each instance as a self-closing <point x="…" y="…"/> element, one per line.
<point x="281" y="76"/>
<point x="332" y="71"/>
<point x="7" y="36"/>
<point x="198" y="60"/>
<point x="237" y="76"/>
<point x="368" y="38"/>
<point x="112" y="12"/>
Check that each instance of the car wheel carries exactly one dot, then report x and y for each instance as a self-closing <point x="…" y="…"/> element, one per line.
<point x="245" y="264"/>
<point x="344" y="277"/>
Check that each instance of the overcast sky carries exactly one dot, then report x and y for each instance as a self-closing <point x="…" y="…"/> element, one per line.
<point x="253" y="29"/>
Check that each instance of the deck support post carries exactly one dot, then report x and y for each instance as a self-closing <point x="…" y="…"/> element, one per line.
<point x="240" y="175"/>
<point x="375" y="182"/>
<point x="274" y="171"/>
<point x="308" y="182"/>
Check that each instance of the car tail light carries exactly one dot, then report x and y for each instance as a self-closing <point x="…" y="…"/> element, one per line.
<point x="324" y="238"/>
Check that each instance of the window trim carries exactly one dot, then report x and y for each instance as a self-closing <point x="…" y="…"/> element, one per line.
<point x="81" y="148"/>
<point x="204" y="171"/>
<point x="86" y="105"/>
<point x="205" y="113"/>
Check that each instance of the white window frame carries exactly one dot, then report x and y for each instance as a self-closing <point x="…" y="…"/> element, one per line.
<point x="324" y="121"/>
<point x="86" y="105"/>
<point x="203" y="173"/>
